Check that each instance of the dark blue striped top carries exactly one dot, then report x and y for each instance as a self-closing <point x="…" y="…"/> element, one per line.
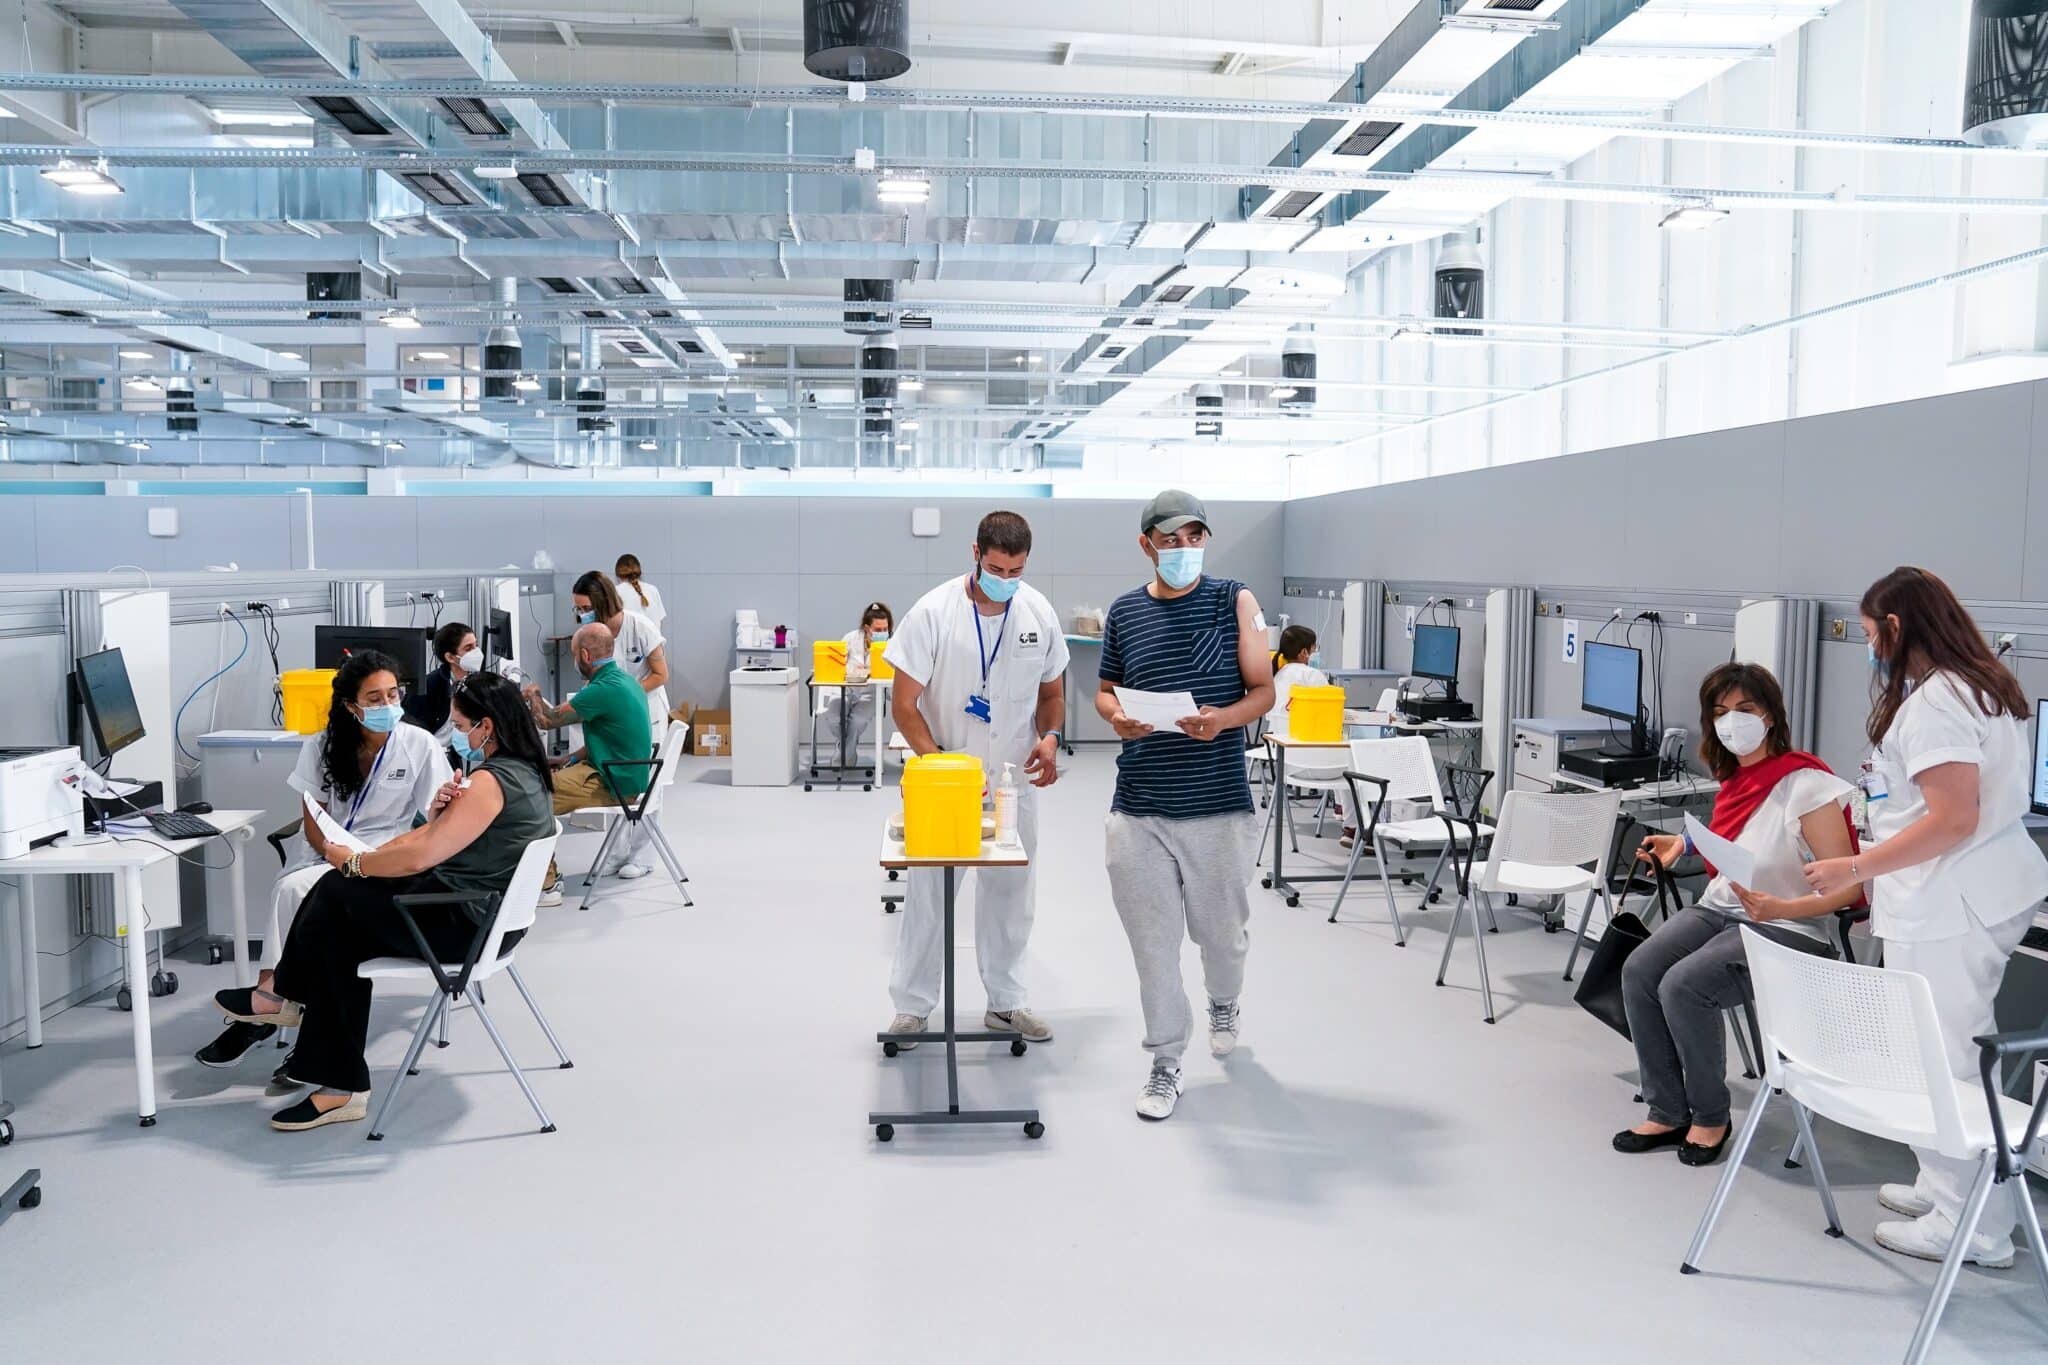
<point x="1185" y="644"/>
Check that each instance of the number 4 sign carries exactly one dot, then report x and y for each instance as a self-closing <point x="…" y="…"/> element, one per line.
<point x="1570" y="650"/>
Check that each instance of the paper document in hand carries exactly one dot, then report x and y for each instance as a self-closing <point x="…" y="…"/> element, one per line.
<point x="331" y="830"/>
<point x="1157" y="709"/>
<point x="1730" y="859"/>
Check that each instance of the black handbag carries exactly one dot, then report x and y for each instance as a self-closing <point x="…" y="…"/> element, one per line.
<point x="1599" y="992"/>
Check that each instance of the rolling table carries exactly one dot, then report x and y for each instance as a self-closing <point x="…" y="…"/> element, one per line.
<point x="1278" y="880"/>
<point x="123" y="859"/>
<point x="992" y="855"/>
<point x="880" y="689"/>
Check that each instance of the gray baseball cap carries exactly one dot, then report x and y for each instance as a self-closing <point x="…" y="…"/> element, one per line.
<point x="1172" y="510"/>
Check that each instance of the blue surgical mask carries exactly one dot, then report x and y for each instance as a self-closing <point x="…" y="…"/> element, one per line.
<point x="1879" y="666"/>
<point x="586" y="618"/>
<point x="1315" y="660"/>
<point x="463" y="749"/>
<point x="383" y="719"/>
<point x="1180" y="567"/>
<point x="878" y="636"/>
<point x="998" y="589"/>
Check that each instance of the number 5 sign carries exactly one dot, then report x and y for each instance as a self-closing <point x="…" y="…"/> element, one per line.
<point x="1570" y="650"/>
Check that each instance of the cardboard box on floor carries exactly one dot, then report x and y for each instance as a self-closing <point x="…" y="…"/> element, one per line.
<point x="711" y="733"/>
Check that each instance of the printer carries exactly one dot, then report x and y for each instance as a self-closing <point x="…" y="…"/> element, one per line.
<point x="40" y="797"/>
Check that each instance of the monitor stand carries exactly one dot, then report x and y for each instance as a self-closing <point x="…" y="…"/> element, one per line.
<point x="1631" y="767"/>
<point x="1446" y="707"/>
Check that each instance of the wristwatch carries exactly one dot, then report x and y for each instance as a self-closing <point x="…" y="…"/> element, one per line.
<point x="1057" y="736"/>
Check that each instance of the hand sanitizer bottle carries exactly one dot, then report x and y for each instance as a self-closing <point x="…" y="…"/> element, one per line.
<point x="1006" y="806"/>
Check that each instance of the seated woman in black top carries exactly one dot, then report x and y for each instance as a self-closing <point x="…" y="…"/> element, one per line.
<point x="472" y="844"/>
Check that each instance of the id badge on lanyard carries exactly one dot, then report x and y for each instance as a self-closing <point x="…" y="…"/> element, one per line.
<point x="356" y="806"/>
<point x="978" y="705"/>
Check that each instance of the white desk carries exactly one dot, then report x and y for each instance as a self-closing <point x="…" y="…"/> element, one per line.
<point x="123" y="859"/>
<point x="1668" y="792"/>
<point x="880" y="689"/>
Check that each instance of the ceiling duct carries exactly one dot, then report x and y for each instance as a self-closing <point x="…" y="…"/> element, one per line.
<point x="180" y="407"/>
<point x="343" y="286"/>
<point x="878" y="353"/>
<point x="501" y="344"/>
<point x="1298" y="368"/>
<point x="590" y="418"/>
<point x="870" y="306"/>
<point x="857" y="40"/>
<point x="1208" y="410"/>
<point x="1460" y="282"/>
<point x="2005" y="95"/>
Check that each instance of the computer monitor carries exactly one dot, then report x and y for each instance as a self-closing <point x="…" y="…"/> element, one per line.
<point x="411" y="647"/>
<point x="1436" y="653"/>
<point x="499" y="643"/>
<point x="1613" y="682"/>
<point x="2040" y="802"/>
<point x="102" y="682"/>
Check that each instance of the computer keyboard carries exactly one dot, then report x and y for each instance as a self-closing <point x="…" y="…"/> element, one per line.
<point x="176" y="824"/>
<point x="2036" y="938"/>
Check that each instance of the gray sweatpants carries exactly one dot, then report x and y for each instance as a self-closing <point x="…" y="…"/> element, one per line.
<point x="1175" y="880"/>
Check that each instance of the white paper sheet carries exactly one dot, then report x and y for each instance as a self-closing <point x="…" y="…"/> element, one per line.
<point x="1731" y="860"/>
<point x="1157" y="709"/>
<point x="331" y="830"/>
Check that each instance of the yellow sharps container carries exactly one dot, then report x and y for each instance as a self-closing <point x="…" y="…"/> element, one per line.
<point x="877" y="667"/>
<point x="942" y="806"/>
<point x="308" y="694"/>
<point x="828" y="661"/>
<point x="1315" y="715"/>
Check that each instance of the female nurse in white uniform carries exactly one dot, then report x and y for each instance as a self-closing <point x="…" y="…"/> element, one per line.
<point x="638" y="647"/>
<point x="1956" y="875"/>
<point x="374" y="775"/>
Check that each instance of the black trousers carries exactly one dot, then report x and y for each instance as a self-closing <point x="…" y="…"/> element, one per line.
<point x="344" y="922"/>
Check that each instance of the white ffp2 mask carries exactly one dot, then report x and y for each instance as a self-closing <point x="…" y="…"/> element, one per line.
<point x="472" y="662"/>
<point x="1740" y="732"/>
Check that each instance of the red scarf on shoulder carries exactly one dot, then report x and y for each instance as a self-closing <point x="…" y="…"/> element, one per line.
<point x="1743" y="794"/>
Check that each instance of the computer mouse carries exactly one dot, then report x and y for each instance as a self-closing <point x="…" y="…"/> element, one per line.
<point x="197" y="808"/>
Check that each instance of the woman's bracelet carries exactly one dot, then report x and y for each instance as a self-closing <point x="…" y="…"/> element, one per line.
<point x="354" y="866"/>
<point x="1854" y="873"/>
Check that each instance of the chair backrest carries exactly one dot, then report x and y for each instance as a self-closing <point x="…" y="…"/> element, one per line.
<point x="1554" y="829"/>
<point x="521" y="901"/>
<point x="1848" y="1026"/>
<point x="1406" y="765"/>
<point x="671" y="749"/>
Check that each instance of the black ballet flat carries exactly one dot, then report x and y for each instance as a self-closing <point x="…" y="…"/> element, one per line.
<point x="1628" y="1140"/>
<point x="1694" y="1154"/>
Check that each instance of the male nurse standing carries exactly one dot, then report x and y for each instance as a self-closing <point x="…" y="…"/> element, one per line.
<point x="980" y="663"/>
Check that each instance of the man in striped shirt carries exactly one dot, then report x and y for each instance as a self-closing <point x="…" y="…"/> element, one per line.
<point x="1181" y="829"/>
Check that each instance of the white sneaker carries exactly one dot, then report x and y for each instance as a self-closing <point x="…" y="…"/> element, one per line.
<point x="1929" y="1239"/>
<point x="631" y="872"/>
<point x="1905" y="1199"/>
<point x="550" y="896"/>
<point x="1162" y="1090"/>
<point x="1034" y="1029"/>
<point x="905" y="1023"/>
<point x="1222" y="1027"/>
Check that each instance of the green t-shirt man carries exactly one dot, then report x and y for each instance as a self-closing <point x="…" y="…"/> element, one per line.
<point x="612" y="709"/>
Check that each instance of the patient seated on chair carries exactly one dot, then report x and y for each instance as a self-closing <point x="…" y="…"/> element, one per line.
<point x="374" y="775"/>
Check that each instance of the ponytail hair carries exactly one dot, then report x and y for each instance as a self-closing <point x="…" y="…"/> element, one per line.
<point x="628" y="570"/>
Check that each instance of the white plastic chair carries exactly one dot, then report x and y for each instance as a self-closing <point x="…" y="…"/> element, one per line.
<point x="1401" y="769"/>
<point x="1863" y="1046"/>
<point x="642" y="817"/>
<point x="454" y="981"/>
<point x="1547" y="844"/>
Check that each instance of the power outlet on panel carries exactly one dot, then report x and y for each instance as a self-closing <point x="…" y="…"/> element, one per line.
<point x="1692" y="618"/>
<point x="2007" y="641"/>
<point x="1838" y="629"/>
<point x="1616" y="616"/>
<point x="284" y="603"/>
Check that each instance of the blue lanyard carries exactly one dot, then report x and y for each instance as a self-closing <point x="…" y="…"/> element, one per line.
<point x="988" y="656"/>
<point x="363" y="794"/>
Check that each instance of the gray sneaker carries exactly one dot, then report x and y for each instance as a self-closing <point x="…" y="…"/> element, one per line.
<point x="905" y="1023"/>
<point x="1034" y="1029"/>
<point x="1162" y="1090"/>
<point x="1222" y="1027"/>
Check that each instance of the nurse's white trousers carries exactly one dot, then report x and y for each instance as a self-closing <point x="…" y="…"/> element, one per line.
<point x="1003" y="908"/>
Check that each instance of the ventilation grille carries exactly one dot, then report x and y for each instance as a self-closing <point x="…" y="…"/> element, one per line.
<point x="352" y="117"/>
<point x="556" y="284"/>
<point x="1175" y="293"/>
<point x="1293" y="204"/>
<point x="436" y="188"/>
<point x="544" y="190"/>
<point x="474" y="116"/>
<point x="1367" y="138"/>
<point x="1519" y="6"/>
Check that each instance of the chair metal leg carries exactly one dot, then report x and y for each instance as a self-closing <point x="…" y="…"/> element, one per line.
<point x="1322" y="805"/>
<point x="1450" y="937"/>
<point x="611" y="832"/>
<point x="1379" y="853"/>
<point x="668" y="856"/>
<point x="1350" y="871"/>
<point x="1287" y="809"/>
<point x="1793" y="1157"/>
<point x="1820" y="1173"/>
<point x="519" y="984"/>
<point x="1698" y="1249"/>
<point x="1749" y="1072"/>
<point x="1492" y="924"/>
<point x="442" y="1040"/>
<point x="1578" y="942"/>
<point x="1952" y="1265"/>
<point x="547" y="1125"/>
<point x="1436" y="874"/>
<point x="1479" y="947"/>
<point x="2030" y="1228"/>
<point x="405" y="1068"/>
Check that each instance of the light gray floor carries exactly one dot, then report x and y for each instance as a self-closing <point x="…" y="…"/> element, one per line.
<point x="1377" y="1175"/>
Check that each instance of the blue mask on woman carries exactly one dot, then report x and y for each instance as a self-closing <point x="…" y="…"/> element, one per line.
<point x="463" y="748"/>
<point x="382" y="720"/>
<point x="1180" y="567"/>
<point x="1879" y="666"/>
<point x="586" y="618"/>
<point x="1315" y="660"/>
<point x="998" y="590"/>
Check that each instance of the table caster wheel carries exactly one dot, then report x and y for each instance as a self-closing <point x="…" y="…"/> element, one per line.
<point x="892" y="873"/>
<point x="1017" y="1048"/>
<point x="1034" y="1130"/>
<point x="1549" y="928"/>
<point x="867" y="786"/>
<point x="125" y="1000"/>
<point x="1294" y="902"/>
<point x="1435" y="896"/>
<point x="214" y="955"/>
<point x="807" y="786"/>
<point x="1266" y="882"/>
<point x="888" y="1050"/>
<point x="1514" y="899"/>
<point x="884" y="1132"/>
<point x="6" y="1132"/>
<point x="32" y="1197"/>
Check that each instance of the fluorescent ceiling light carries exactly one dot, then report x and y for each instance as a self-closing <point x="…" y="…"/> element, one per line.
<point x="430" y="355"/>
<point x="394" y="444"/>
<point x="403" y="318"/>
<point x="650" y="445"/>
<point x="143" y="381"/>
<point x="909" y="426"/>
<point x="495" y="172"/>
<point x="291" y="355"/>
<point x="70" y="175"/>
<point x="1286" y="391"/>
<point x="250" y="118"/>
<point x="905" y="184"/>
<point x="526" y="383"/>
<point x="910" y="385"/>
<point x="138" y="444"/>
<point x="887" y="197"/>
<point x="1692" y="217"/>
<point x="138" y="355"/>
